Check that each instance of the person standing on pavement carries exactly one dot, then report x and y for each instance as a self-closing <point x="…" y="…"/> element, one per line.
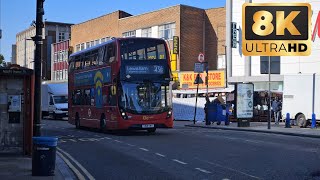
<point x="275" y="109"/>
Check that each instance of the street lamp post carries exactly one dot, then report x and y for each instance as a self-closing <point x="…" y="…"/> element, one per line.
<point x="37" y="68"/>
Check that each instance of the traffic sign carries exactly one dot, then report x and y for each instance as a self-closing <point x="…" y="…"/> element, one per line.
<point x="198" y="67"/>
<point x="201" y="57"/>
<point x="198" y="80"/>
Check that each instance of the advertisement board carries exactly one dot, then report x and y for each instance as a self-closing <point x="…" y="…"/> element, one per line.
<point x="216" y="79"/>
<point x="244" y="100"/>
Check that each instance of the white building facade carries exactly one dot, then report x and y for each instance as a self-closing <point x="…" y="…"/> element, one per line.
<point x="52" y="32"/>
<point x="242" y="68"/>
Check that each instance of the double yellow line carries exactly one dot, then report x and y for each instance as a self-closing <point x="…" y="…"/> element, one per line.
<point x="66" y="157"/>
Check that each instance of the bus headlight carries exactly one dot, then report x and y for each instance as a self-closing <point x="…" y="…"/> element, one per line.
<point x="124" y="114"/>
<point x="169" y="114"/>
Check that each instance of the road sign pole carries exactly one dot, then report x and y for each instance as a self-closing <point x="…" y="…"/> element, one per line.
<point x="207" y="80"/>
<point x="195" y="107"/>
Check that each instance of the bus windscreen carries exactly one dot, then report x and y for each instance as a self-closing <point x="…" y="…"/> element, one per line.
<point x="142" y="49"/>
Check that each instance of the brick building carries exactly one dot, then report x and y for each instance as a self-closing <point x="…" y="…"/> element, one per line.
<point x="199" y="30"/>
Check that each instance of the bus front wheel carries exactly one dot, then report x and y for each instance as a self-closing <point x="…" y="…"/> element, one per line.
<point x="151" y="130"/>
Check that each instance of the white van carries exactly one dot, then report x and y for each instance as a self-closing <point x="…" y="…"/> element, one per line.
<point x="54" y="99"/>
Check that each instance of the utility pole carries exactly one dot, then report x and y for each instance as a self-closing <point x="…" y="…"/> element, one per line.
<point x="37" y="68"/>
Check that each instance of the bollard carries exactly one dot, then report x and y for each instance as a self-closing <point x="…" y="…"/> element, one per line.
<point x="288" y="121"/>
<point x="313" y="122"/>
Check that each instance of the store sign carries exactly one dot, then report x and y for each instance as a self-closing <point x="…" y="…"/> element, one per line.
<point x="234" y="35"/>
<point x="175" y="45"/>
<point x="244" y="100"/>
<point x="216" y="79"/>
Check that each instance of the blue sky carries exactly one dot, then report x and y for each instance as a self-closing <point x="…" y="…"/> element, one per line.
<point x="17" y="15"/>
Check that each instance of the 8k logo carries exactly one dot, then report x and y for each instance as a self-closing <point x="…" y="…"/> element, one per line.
<point x="276" y="29"/>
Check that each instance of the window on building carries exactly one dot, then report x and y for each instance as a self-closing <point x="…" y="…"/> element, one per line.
<point x="275" y="64"/>
<point x="55" y="57"/>
<point x="96" y="42"/>
<point x="129" y="34"/>
<point x="62" y="36"/>
<point x="88" y="45"/>
<point x="147" y="32"/>
<point x="78" y="47"/>
<point x="82" y="46"/>
<point x="92" y="43"/>
<point x="167" y="31"/>
<point x="65" y="74"/>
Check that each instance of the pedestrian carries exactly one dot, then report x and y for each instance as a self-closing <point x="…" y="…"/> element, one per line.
<point x="275" y="109"/>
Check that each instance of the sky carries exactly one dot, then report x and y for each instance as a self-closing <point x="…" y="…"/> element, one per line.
<point x="17" y="15"/>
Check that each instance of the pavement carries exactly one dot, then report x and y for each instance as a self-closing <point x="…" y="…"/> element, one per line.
<point x="263" y="128"/>
<point x="14" y="167"/>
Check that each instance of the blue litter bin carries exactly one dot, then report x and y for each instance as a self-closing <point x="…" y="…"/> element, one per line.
<point x="216" y="113"/>
<point x="44" y="156"/>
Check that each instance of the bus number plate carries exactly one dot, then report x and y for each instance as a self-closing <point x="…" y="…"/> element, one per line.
<point x="147" y="125"/>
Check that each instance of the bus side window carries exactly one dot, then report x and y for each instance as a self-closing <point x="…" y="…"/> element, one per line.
<point x="101" y="55"/>
<point x="110" y="54"/>
<point x="77" y="62"/>
<point x="94" y="58"/>
<point x="87" y="97"/>
<point x="87" y="60"/>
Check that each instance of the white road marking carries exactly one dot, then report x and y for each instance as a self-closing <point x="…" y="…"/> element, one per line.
<point x="181" y="162"/>
<point x="131" y="145"/>
<point x="230" y="169"/>
<point x="144" y="149"/>
<point x="71" y="166"/>
<point x="77" y="163"/>
<point x="160" y="155"/>
<point x="71" y="140"/>
<point x="107" y="138"/>
<point x="203" y="170"/>
<point x="118" y="141"/>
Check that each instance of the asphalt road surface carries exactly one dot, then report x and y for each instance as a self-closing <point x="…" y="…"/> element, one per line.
<point x="185" y="153"/>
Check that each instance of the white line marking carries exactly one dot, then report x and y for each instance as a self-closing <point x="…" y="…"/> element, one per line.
<point x="160" y="155"/>
<point x="78" y="164"/>
<point x="107" y="138"/>
<point x="74" y="169"/>
<point x="181" y="162"/>
<point x="118" y="141"/>
<point x="71" y="140"/>
<point x="144" y="149"/>
<point x="203" y="170"/>
<point x="131" y="145"/>
<point x="230" y="169"/>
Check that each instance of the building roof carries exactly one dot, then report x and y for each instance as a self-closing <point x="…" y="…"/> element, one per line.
<point x="45" y="23"/>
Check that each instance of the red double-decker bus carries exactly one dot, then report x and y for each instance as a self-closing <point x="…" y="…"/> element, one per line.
<point x="121" y="84"/>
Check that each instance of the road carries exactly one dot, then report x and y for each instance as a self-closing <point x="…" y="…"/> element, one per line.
<point x="186" y="153"/>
